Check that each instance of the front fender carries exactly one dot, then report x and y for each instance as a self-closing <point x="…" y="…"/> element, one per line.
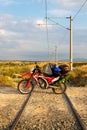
<point x="28" y="74"/>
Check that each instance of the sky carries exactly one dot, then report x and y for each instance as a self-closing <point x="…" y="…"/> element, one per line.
<point x="26" y="34"/>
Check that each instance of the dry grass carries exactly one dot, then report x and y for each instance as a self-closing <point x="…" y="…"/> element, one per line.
<point x="79" y="75"/>
<point x="9" y="69"/>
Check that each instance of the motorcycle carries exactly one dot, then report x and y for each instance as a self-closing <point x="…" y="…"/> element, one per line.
<point x="56" y="82"/>
<point x="29" y="80"/>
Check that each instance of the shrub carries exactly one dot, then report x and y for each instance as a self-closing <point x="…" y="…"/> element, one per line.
<point x="6" y="80"/>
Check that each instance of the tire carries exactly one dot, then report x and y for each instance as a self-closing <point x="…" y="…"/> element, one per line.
<point x="59" y="88"/>
<point x="21" y="87"/>
<point x="42" y="83"/>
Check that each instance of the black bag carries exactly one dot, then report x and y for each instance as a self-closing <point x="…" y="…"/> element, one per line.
<point x="64" y="68"/>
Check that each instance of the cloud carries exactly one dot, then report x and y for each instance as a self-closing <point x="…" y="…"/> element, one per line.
<point x="2" y="32"/>
<point x="42" y="23"/>
<point x="65" y="3"/>
<point x="63" y="7"/>
<point x="13" y="2"/>
<point x="70" y="3"/>
<point x="6" y="2"/>
<point x="59" y="12"/>
<point x="21" y="37"/>
<point x="20" y="33"/>
<point x="5" y="33"/>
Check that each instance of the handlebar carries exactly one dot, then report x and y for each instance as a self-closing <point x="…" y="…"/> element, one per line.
<point x="37" y="68"/>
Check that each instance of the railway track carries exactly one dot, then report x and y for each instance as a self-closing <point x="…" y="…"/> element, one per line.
<point x="80" y="123"/>
<point x="15" y="121"/>
<point x="75" y="113"/>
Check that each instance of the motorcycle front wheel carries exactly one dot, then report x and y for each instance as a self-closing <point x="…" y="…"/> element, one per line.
<point x="22" y="89"/>
<point x="59" y="88"/>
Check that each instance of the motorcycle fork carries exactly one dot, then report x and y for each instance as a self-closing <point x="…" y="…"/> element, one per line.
<point x="28" y="82"/>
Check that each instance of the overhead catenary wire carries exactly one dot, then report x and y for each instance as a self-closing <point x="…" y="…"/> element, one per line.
<point x="77" y="13"/>
<point x="79" y="9"/>
<point x="62" y="27"/>
<point x="50" y="19"/>
<point x="46" y="19"/>
<point x="47" y="27"/>
<point x="58" y="23"/>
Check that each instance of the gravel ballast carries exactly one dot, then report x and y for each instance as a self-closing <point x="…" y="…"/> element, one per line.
<point x="44" y="111"/>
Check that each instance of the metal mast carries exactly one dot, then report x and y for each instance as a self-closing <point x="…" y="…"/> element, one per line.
<point x="71" y="55"/>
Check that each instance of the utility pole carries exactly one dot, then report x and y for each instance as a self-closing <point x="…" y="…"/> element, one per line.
<point x="71" y="56"/>
<point x="71" y="53"/>
<point x="56" y="54"/>
<point x="70" y="29"/>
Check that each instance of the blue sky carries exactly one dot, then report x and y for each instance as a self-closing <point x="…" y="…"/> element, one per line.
<point x="21" y="38"/>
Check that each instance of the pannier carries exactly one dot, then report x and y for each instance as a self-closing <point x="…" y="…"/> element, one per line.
<point x="47" y="69"/>
<point x="64" y="68"/>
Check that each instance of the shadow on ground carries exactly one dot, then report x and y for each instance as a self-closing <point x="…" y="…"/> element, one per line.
<point x="8" y="90"/>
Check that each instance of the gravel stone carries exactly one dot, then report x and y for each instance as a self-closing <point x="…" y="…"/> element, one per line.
<point x="44" y="111"/>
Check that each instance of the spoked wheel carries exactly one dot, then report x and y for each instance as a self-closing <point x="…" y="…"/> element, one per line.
<point x="42" y="83"/>
<point x="23" y="89"/>
<point x="59" y="88"/>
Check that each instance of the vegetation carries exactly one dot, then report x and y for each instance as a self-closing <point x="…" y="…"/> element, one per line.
<point x="79" y="74"/>
<point x="11" y="70"/>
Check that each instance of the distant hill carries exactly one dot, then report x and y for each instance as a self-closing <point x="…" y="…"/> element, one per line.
<point x="43" y="60"/>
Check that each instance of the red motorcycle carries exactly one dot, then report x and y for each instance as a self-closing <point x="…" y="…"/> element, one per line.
<point x="57" y="82"/>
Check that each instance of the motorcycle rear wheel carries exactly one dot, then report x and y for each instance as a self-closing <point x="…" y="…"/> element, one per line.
<point x="22" y="89"/>
<point x="60" y="88"/>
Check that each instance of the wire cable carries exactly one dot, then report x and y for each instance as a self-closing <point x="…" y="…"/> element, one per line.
<point x="47" y="28"/>
<point x="58" y="23"/>
<point x="79" y="9"/>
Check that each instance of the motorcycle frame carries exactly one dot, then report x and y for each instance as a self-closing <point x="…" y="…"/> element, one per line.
<point x="37" y="75"/>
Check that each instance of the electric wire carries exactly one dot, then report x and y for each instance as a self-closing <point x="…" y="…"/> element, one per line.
<point x="47" y="28"/>
<point x="79" y="9"/>
<point x="50" y="18"/>
<point x="76" y="52"/>
<point x="58" y="24"/>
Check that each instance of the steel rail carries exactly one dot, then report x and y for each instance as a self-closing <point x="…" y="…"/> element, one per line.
<point x="76" y="115"/>
<point x="15" y="121"/>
